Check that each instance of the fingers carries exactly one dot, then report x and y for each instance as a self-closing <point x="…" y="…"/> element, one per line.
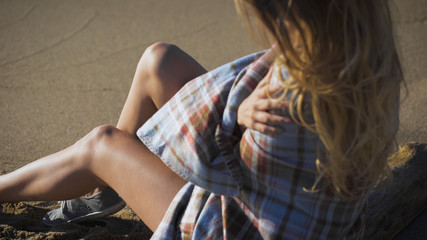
<point x="268" y="118"/>
<point x="262" y="90"/>
<point x="258" y="110"/>
<point x="271" y="104"/>
<point x="266" y="129"/>
<point x="268" y="123"/>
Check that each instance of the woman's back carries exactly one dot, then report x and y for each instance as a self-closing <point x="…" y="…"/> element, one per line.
<point x="343" y="67"/>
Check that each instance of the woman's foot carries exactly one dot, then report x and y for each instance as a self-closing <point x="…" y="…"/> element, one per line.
<point x="101" y="204"/>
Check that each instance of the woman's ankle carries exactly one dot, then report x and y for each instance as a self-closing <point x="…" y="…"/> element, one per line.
<point x="95" y="191"/>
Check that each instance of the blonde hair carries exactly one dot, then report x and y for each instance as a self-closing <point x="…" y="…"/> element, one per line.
<point x="343" y="63"/>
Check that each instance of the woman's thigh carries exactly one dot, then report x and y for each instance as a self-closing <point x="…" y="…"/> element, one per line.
<point x="162" y="70"/>
<point x="140" y="177"/>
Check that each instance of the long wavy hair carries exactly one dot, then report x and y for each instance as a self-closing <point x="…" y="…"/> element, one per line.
<point x="343" y="62"/>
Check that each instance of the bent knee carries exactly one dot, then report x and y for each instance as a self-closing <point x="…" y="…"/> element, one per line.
<point x="89" y="143"/>
<point x="158" y="49"/>
<point x="156" y="55"/>
<point x="104" y="131"/>
<point x="162" y="58"/>
<point x="87" y="147"/>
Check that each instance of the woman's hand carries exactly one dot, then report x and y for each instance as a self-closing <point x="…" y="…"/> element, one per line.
<point x="255" y="111"/>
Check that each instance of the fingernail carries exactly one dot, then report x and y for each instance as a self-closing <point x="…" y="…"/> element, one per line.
<point x="287" y="120"/>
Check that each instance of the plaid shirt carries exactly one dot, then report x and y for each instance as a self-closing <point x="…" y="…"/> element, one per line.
<point x="242" y="185"/>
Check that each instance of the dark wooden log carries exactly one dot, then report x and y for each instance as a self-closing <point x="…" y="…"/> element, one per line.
<point x="392" y="206"/>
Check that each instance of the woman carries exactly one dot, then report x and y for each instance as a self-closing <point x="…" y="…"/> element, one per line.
<point x="278" y="144"/>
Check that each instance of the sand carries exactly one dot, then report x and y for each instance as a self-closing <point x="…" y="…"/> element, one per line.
<point x="66" y="67"/>
<point x="22" y="221"/>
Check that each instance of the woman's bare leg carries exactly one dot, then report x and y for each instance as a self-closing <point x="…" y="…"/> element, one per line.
<point x="114" y="157"/>
<point x="162" y="70"/>
<point x="105" y="157"/>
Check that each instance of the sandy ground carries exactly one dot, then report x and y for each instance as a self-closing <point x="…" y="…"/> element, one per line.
<point x="66" y="67"/>
<point x="22" y="221"/>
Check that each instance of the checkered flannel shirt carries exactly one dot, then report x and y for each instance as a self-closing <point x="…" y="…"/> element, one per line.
<point x="242" y="185"/>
